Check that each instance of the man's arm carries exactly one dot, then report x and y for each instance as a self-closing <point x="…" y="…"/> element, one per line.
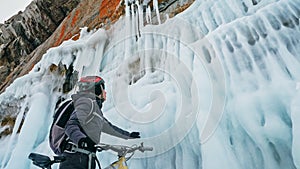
<point x="114" y="130"/>
<point x="73" y="130"/>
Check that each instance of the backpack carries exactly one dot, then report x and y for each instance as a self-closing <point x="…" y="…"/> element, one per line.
<point x="57" y="136"/>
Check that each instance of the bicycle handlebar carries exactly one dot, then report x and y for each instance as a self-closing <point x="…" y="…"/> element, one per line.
<point x="123" y="150"/>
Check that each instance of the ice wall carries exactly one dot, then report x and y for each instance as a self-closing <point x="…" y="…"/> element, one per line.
<point x="258" y="47"/>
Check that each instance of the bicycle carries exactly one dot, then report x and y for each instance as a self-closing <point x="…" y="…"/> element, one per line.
<point x="45" y="162"/>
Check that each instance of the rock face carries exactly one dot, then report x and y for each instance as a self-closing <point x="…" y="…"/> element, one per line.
<point x="24" y="32"/>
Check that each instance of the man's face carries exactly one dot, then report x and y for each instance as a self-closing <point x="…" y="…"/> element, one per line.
<point x="103" y="95"/>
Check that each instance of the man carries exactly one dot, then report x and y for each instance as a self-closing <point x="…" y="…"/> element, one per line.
<point x="86" y="124"/>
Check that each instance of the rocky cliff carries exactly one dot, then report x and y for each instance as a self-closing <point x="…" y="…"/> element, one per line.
<point x="25" y="31"/>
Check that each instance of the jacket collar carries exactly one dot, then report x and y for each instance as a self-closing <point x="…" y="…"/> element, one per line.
<point x="87" y="95"/>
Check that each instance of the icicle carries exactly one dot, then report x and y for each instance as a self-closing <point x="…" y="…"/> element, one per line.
<point x="140" y="14"/>
<point x="148" y="15"/>
<point x="13" y="135"/>
<point x="149" y="44"/>
<point x="136" y="19"/>
<point x="127" y="10"/>
<point x="133" y="21"/>
<point x="127" y="28"/>
<point x="155" y="5"/>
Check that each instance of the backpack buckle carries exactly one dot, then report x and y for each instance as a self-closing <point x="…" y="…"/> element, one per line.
<point x="71" y="148"/>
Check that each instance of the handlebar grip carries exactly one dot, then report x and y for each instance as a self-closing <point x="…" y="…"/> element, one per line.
<point x="147" y="149"/>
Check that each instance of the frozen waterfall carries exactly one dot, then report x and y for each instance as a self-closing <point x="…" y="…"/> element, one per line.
<point x="214" y="87"/>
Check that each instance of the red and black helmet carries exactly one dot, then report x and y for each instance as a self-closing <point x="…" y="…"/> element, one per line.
<point x="94" y="84"/>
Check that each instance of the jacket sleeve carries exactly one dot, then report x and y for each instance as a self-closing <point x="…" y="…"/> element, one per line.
<point x="73" y="130"/>
<point x="114" y="130"/>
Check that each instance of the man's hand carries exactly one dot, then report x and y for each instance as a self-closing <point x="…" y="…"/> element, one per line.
<point x="135" y="135"/>
<point x="87" y="144"/>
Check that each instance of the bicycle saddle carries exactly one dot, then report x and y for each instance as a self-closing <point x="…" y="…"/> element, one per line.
<point x="44" y="161"/>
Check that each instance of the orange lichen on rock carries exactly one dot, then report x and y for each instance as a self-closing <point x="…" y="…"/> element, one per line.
<point x="96" y="14"/>
<point x="76" y="37"/>
<point x="75" y="17"/>
<point x="107" y="8"/>
<point x="62" y="33"/>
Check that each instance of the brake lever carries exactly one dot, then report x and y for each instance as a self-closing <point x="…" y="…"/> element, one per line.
<point x="102" y="147"/>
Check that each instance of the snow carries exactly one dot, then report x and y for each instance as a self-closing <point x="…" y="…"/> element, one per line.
<point x="215" y="87"/>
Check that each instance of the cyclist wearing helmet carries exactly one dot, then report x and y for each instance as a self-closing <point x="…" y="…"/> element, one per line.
<point x="86" y="124"/>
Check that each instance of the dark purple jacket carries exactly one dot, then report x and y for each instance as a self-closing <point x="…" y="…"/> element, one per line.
<point x="88" y="120"/>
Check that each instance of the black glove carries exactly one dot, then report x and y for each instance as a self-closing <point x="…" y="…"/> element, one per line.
<point x="87" y="144"/>
<point x="135" y="135"/>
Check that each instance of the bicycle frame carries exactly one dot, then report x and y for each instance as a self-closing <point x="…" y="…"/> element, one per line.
<point x="120" y="164"/>
<point x="122" y="152"/>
